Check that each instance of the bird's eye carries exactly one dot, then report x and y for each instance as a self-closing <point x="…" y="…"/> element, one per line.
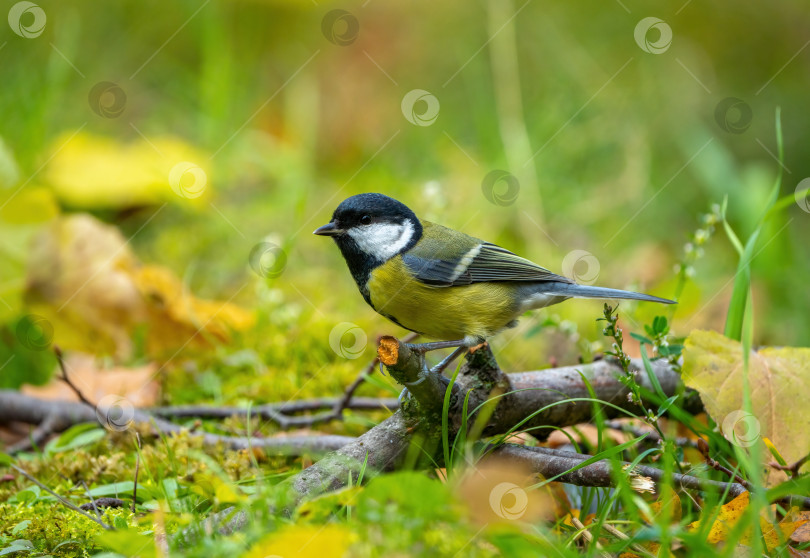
<point x="365" y="220"/>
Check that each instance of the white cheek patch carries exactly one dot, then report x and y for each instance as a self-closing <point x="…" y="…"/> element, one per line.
<point x="382" y="240"/>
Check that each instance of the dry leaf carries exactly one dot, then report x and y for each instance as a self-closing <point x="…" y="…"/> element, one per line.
<point x="802" y="532"/>
<point x="779" y="380"/>
<point x="86" y="281"/>
<point x="729" y="514"/>
<point x="138" y="385"/>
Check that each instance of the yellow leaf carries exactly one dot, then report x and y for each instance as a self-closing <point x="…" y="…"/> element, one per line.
<point x="778" y="379"/>
<point x="85" y="280"/>
<point x="728" y="515"/>
<point x="772" y="534"/>
<point x="304" y="541"/>
<point x="90" y="171"/>
<point x="668" y="503"/>
<point x="177" y="317"/>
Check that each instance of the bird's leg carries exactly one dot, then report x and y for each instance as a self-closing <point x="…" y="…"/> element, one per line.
<point x="434" y="345"/>
<point x="446" y="361"/>
<point x="460" y="346"/>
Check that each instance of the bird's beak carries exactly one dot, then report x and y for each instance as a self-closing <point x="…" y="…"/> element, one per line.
<point x="329" y="229"/>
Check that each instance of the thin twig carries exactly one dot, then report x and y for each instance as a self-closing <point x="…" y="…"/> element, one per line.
<point x="583" y="531"/>
<point x="621" y="536"/>
<point x="137" y="469"/>
<point x="62" y="500"/>
<point x="65" y="378"/>
<point x="92" y="500"/>
<point x="792" y="469"/>
<point x="703" y="448"/>
<point x="652" y="435"/>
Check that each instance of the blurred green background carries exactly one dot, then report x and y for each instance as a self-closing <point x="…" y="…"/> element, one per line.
<point x="290" y="107"/>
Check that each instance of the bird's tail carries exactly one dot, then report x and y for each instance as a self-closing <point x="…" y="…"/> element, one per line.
<point x="585" y="291"/>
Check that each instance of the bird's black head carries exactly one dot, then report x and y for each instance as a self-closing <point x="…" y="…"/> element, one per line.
<point x="370" y="229"/>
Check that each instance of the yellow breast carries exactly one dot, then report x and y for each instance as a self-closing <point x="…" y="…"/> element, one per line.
<point x="445" y="313"/>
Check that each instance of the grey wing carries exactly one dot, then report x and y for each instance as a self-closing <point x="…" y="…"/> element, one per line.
<point x="484" y="262"/>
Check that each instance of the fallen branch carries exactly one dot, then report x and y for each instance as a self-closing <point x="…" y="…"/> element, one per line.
<point x="536" y="400"/>
<point x="548" y="463"/>
<point x="282" y="413"/>
<point x="56" y="416"/>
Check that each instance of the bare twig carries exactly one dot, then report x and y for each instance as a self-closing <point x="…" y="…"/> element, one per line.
<point x="586" y="534"/>
<point x="652" y="435"/>
<point x="61" y="499"/>
<point x="65" y="378"/>
<point x="622" y="537"/>
<point x="18" y="407"/>
<point x="549" y="462"/>
<point x="792" y="469"/>
<point x="137" y="470"/>
<point x="703" y="448"/>
<point x="345" y="401"/>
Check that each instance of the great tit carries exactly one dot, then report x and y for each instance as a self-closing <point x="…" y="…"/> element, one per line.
<point x="442" y="283"/>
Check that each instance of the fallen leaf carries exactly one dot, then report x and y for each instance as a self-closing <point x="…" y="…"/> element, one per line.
<point x="91" y="172"/>
<point x="779" y="380"/>
<point x="802" y="532"/>
<point x="727" y="516"/>
<point x="668" y="503"/>
<point x="86" y="282"/>
<point x="138" y="385"/>
<point x="304" y="541"/>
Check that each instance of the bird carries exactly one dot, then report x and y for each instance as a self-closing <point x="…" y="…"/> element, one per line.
<point x="442" y="283"/>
